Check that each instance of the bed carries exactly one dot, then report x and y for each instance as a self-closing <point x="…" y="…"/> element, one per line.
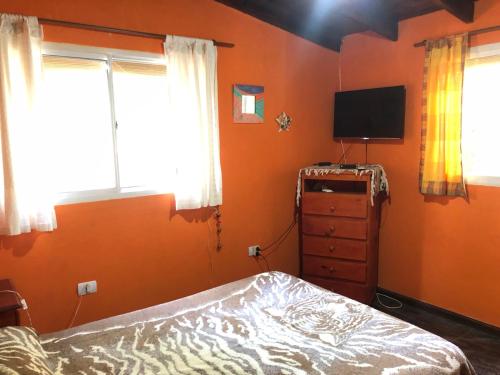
<point x="271" y="323"/>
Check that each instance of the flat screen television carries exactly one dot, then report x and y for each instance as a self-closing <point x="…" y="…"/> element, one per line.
<point x="370" y="114"/>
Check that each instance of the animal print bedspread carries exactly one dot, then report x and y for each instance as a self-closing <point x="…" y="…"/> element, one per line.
<point x="272" y="323"/>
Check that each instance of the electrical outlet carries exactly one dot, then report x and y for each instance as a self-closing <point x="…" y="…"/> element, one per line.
<point x="254" y="251"/>
<point x="87" y="287"/>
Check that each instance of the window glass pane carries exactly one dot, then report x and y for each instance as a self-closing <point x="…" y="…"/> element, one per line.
<point x="143" y="152"/>
<point x="78" y="121"/>
<point x="481" y="117"/>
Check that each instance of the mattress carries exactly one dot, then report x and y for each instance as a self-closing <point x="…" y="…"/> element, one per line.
<point x="271" y="323"/>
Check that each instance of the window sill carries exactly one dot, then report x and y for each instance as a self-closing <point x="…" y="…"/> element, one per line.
<point x="105" y="195"/>
<point x="483" y="180"/>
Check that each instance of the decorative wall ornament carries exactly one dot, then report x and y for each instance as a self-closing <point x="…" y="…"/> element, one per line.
<point x="284" y="121"/>
<point x="248" y="104"/>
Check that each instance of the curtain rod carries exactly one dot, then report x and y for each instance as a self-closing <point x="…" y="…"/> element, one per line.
<point x="113" y="30"/>
<point x="473" y="32"/>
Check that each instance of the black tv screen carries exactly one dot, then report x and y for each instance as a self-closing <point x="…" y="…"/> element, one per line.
<point x="372" y="113"/>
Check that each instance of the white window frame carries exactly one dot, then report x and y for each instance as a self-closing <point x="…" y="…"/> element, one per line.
<point x="108" y="55"/>
<point x="482" y="51"/>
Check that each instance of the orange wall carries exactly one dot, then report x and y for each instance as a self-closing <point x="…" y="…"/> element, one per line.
<point x="139" y="250"/>
<point x="442" y="251"/>
<point x="439" y="250"/>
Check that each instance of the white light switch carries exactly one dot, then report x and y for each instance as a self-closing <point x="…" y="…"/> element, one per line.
<point x="87" y="287"/>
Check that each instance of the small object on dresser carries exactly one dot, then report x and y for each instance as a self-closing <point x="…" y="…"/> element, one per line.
<point x="348" y="166"/>
<point x="9" y="304"/>
<point x="324" y="163"/>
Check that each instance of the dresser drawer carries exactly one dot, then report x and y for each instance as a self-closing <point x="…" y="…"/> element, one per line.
<point x="333" y="227"/>
<point x="331" y="268"/>
<point x="334" y="247"/>
<point x="335" y="204"/>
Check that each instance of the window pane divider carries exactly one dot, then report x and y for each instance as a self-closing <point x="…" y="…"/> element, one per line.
<point x="113" y="121"/>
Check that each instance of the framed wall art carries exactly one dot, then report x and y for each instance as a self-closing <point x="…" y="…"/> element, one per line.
<point x="248" y="104"/>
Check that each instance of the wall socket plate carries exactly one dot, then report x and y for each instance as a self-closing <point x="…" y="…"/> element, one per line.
<point x="254" y="250"/>
<point x="87" y="287"/>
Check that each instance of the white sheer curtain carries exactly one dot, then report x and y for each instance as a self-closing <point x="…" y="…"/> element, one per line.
<point x="24" y="202"/>
<point x="193" y="114"/>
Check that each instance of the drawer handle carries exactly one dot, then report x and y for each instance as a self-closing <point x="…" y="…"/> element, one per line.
<point x="330" y="230"/>
<point x="332" y="209"/>
<point x="331" y="248"/>
<point x="330" y="269"/>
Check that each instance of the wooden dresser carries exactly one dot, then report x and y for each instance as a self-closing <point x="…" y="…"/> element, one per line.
<point x="9" y="305"/>
<point x="339" y="233"/>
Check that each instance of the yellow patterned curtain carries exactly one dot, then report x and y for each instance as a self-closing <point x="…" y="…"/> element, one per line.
<point x="441" y="156"/>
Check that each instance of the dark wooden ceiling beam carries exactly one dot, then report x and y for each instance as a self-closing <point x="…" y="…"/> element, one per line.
<point x="374" y="14"/>
<point x="462" y="9"/>
<point x="326" y="22"/>
<point x="273" y="14"/>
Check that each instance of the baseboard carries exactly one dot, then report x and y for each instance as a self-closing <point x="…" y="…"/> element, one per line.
<point x="443" y="312"/>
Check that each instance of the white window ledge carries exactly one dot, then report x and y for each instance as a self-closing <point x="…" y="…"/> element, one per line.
<point x="483" y="180"/>
<point x="104" y="195"/>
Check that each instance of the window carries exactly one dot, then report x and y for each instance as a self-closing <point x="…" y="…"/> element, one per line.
<point x="481" y="116"/>
<point x="104" y="112"/>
